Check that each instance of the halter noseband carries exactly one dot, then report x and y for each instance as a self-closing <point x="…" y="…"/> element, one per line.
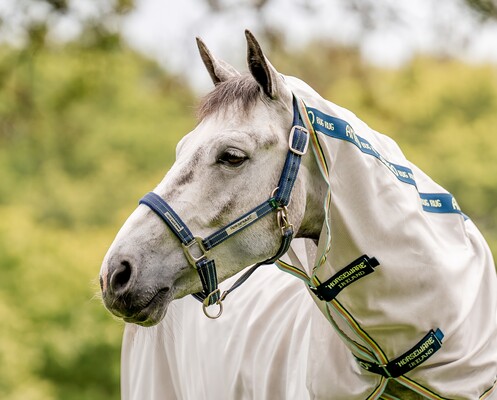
<point x="197" y="249"/>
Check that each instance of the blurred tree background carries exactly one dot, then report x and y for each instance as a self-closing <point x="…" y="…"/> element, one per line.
<point x="88" y="125"/>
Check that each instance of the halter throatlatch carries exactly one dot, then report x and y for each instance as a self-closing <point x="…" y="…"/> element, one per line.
<point x="197" y="249"/>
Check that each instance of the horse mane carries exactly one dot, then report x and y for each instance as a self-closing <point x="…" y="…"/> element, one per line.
<point x="242" y="90"/>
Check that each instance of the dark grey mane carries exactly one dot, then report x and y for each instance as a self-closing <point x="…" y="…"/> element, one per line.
<point x="243" y="90"/>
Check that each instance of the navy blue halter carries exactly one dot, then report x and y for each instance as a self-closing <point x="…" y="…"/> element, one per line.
<point x="197" y="249"/>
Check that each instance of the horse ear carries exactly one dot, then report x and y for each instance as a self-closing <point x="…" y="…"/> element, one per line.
<point x="261" y="69"/>
<point x="219" y="70"/>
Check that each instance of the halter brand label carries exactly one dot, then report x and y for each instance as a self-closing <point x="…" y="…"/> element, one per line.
<point x="241" y="224"/>
<point x="173" y="222"/>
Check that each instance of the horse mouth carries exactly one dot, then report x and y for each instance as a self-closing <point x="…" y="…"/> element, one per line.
<point x="153" y="312"/>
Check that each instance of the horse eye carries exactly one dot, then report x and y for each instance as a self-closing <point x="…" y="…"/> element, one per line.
<point x="232" y="158"/>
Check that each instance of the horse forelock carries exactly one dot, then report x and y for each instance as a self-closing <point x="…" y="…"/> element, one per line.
<point x="242" y="91"/>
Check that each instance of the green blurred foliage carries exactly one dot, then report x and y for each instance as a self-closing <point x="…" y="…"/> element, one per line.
<point x="85" y="131"/>
<point x="72" y="118"/>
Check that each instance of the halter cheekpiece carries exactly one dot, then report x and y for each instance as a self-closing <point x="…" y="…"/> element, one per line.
<point x="197" y="249"/>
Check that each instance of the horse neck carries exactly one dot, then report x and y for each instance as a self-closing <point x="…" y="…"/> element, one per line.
<point x="315" y="191"/>
<point x="316" y="186"/>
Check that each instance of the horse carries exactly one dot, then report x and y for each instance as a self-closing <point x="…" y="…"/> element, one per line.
<point x="390" y="289"/>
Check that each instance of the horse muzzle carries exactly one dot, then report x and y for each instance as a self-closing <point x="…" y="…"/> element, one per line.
<point x="125" y="296"/>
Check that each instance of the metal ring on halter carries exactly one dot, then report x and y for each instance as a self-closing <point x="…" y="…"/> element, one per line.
<point x="273" y="193"/>
<point x="205" y="305"/>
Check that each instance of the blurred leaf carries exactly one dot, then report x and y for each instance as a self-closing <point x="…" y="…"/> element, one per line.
<point x="486" y="8"/>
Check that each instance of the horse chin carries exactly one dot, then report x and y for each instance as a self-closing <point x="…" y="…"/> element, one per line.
<point x="153" y="312"/>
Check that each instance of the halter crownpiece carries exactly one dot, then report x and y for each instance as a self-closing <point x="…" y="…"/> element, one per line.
<point x="197" y="249"/>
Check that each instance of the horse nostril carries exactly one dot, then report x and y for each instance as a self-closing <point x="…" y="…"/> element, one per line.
<point x="121" y="276"/>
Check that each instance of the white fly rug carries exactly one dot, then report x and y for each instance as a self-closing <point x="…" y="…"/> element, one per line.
<point x="271" y="342"/>
<point x="435" y="274"/>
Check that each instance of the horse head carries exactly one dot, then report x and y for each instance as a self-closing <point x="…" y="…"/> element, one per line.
<point x="226" y="166"/>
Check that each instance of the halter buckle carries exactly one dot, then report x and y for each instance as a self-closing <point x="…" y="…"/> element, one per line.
<point x="294" y="150"/>
<point x="201" y="252"/>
